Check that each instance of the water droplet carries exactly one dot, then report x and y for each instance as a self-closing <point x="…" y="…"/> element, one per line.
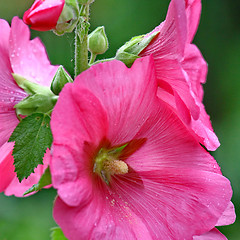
<point x="12" y="99"/>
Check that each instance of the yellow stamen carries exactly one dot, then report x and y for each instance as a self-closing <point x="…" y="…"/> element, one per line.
<point x="115" y="167"/>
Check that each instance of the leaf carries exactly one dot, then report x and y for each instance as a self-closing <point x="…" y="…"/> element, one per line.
<point x="32" y="137"/>
<point x="57" y="234"/>
<point x="45" y="180"/>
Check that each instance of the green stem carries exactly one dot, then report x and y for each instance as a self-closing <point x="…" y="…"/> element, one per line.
<point x="81" y="35"/>
<point x="92" y="59"/>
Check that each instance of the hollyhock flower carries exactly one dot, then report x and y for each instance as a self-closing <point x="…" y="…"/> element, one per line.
<point x="44" y="15"/>
<point x="27" y="58"/>
<point x="127" y="167"/>
<point x="180" y="68"/>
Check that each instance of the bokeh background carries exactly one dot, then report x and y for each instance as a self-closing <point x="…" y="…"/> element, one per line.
<point x="218" y="38"/>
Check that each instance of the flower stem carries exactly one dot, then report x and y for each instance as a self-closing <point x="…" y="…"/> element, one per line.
<point x="81" y="35"/>
<point x="92" y="59"/>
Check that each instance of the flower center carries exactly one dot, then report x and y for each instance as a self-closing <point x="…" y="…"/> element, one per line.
<point x="107" y="164"/>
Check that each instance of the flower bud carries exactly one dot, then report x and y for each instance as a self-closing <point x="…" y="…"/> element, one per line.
<point x="68" y="18"/>
<point x="85" y="2"/>
<point x="59" y="80"/>
<point x="44" y="15"/>
<point x="97" y="41"/>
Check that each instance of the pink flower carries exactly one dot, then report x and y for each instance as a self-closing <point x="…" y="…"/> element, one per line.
<point x="125" y="166"/>
<point x="44" y="14"/>
<point x="181" y="70"/>
<point x="27" y="58"/>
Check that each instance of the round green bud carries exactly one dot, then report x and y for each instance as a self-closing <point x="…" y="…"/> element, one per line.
<point x="97" y="41"/>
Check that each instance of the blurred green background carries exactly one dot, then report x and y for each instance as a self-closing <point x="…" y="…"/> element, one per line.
<point x="218" y="38"/>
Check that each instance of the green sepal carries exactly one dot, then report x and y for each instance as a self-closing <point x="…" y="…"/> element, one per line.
<point x="57" y="234"/>
<point x="127" y="58"/>
<point x="129" y="52"/>
<point x="68" y="19"/>
<point x="36" y="103"/>
<point x="32" y="137"/>
<point x="59" y="80"/>
<point x="28" y="86"/>
<point x="41" y="99"/>
<point x="45" y="180"/>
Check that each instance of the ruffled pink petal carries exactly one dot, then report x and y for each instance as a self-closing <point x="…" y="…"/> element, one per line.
<point x="168" y="52"/>
<point x="104" y="220"/>
<point x="196" y="69"/>
<point x="161" y="199"/>
<point x="148" y="205"/>
<point x="16" y="188"/>
<point x="29" y="58"/>
<point x="8" y="121"/>
<point x="126" y="94"/>
<point x="170" y="42"/>
<point x="214" y="234"/>
<point x="193" y="12"/>
<point x="76" y="139"/>
<point x="10" y="93"/>
<point x="204" y="131"/>
<point x="168" y="143"/>
<point x="6" y="165"/>
<point x="228" y="216"/>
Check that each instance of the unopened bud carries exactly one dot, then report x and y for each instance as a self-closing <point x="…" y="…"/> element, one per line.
<point x="59" y="80"/>
<point x="97" y="41"/>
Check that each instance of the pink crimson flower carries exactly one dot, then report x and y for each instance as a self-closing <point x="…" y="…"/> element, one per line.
<point x="181" y="70"/>
<point x="125" y="166"/>
<point x="27" y="58"/>
<point x="44" y="14"/>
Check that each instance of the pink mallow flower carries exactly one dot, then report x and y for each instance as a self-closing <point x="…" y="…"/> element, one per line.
<point x="125" y="166"/>
<point x="181" y="70"/>
<point x="44" y="14"/>
<point x="27" y="58"/>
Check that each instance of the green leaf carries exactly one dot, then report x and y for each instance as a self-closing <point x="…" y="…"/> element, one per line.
<point x="45" y="180"/>
<point x="32" y="137"/>
<point x="57" y="234"/>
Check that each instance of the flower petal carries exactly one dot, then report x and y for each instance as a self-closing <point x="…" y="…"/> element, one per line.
<point x="6" y="166"/>
<point x="168" y="143"/>
<point x="214" y="234"/>
<point x="18" y="189"/>
<point x="228" y="217"/>
<point x="126" y="94"/>
<point x="193" y="12"/>
<point x="168" y="51"/>
<point x="168" y="199"/>
<point x="75" y="141"/>
<point x="29" y="58"/>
